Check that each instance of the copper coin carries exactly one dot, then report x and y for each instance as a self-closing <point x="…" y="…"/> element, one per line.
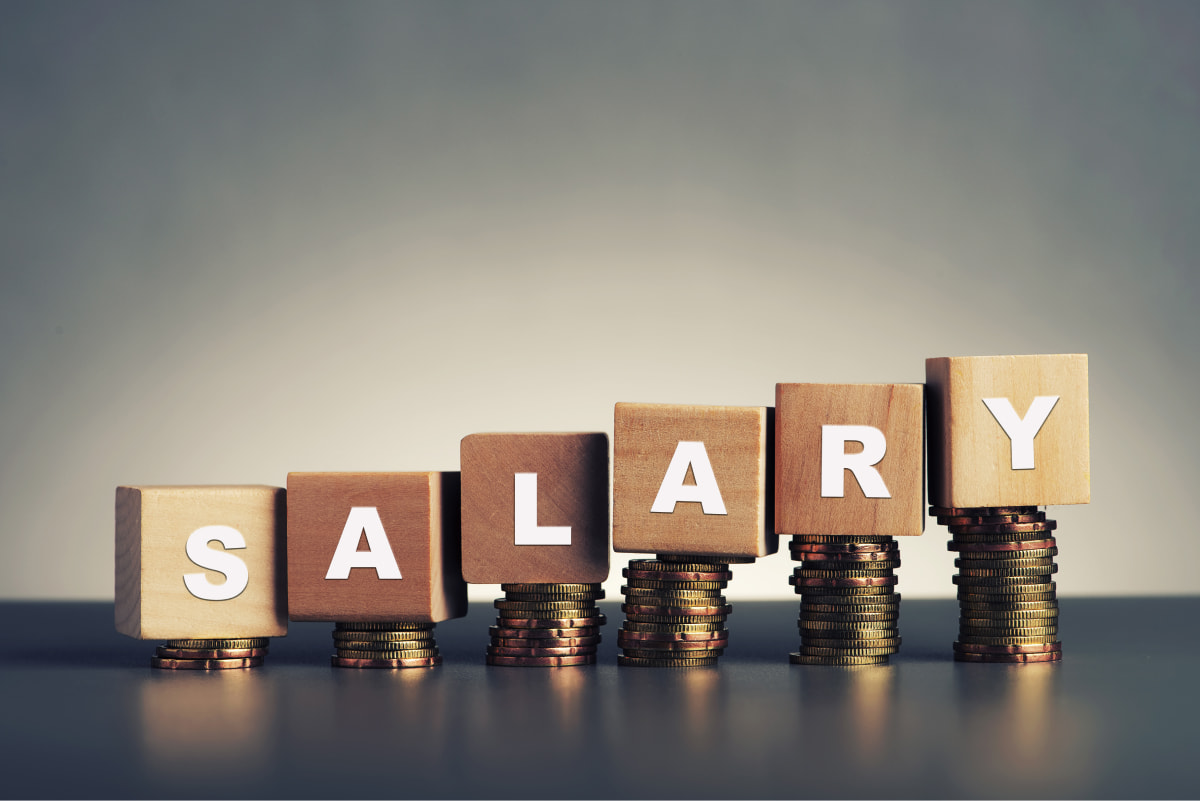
<point x="989" y="520"/>
<point x="797" y="545"/>
<point x="677" y="575"/>
<point x="876" y="561"/>
<point x="678" y="567"/>
<point x="836" y="661"/>
<point x="502" y="650"/>
<point x="390" y="625"/>
<point x="209" y="653"/>
<point x="1052" y="656"/>
<point x="668" y="645"/>
<point x="551" y="622"/>
<point x="547" y="642"/>
<point x="878" y="581"/>
<point x="667" y="611"/>
<point x="1037" y="648"/>
<point x="539" y="634"/>
<point x="205" y="664"/>
<point x="680" y="636"/>
<point x="983" y="547"/>
<point x="541" y="661"/>
<point x="981" y="511"/>
<point x="552" y="588"/>
<point x="1005" y="528"/>
<point x="633" y="661"/>
<point x="429" y="661"/>
<point x="239" y="642"/>
<point x="673" y="628"/>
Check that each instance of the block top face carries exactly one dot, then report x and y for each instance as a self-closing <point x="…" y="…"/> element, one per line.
<point x="374" y="547"/>
<point x="693" y="480"/>
<point x="1008" y="430"/>
<point x="849" y="459"/>
<point x="200" y="562"/>
<point x="535" y="508"/>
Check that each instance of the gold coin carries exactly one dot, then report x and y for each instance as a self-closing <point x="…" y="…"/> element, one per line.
<point x="166" y="663"/>
<point x="537" y="597"/>
<point x="212" y="645"/>
<point x="976" y="639"/>
<point x="636" y="661"/>
<point x="1012" y="573"/>
<point x="813" y="650"/>
<point x="657" y="592"/>
<point x="383" y="636"/>
<point x="674" y="628"/>
<point x="552" y="589"/>
<point x="345" y="662"/>
<point x="650" y="584"/>
<point x="840" y="661"/>
<point x="383" y="626"/>
<point x="678" y="567"/>
<point x="408" y="653"/>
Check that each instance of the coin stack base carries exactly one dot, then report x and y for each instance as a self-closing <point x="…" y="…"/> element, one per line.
<point x="1008" y="607"/>
<point x="849" y="611"/>
<point x="675" y="612"/>
<point x="546" y="625"/>
<point x="228" y="654"/>
<point x="385" y="645"/>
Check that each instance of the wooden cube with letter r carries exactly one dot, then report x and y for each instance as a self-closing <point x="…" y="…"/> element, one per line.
<point x="1008" y="430"/>
<point x="200" y="562"/>
<point x="693" y="480"/>
<point x="374" y="547"/>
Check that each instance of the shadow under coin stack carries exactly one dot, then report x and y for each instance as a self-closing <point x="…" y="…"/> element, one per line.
<point x="546" y="625"/>
<point x="849" y="611"/>
<point x="1008" y="610"/>
<point x="385" y="645"/>
<point x="227" y="654"/>
<point x="674" y="611"/>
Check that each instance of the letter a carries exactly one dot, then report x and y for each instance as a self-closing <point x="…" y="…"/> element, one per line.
<point x="379" y="554"/>
<point x="236" y="575"/>
<point x="835" y="461"/>
<point x="1021" y="432"/>
<point x="705" y="491"/>
<point x="528" y="532"/>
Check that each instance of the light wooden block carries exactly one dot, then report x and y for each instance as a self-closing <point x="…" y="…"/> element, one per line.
<point x="570" y="491"/>
<point x="157" y="582"/>
<point x="804" y="414"/>
<point x="737" y="444"/>
<point x="415" y="520"/>
<point x="971" y="456"/>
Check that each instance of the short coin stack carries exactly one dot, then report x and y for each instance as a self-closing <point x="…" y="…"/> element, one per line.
<point x="385" y="645"/>
<point x="849" y="611"/>
<point x="546" y="625"/>
<point x="245" y="652"/>
<point x="1008" y="611"/>
<point x="674" y="611"/>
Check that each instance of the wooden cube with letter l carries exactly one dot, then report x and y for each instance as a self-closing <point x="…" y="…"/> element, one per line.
<point x="693" y="480"/>
<point x="200" y="562"/>
<point x="535" y="508"/>
<point x="849" y="459"/>
<point x="374" y="547"/>
<point x="1008" y="430"/>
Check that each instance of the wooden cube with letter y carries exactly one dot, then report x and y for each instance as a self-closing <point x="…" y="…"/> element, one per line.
<point x="693" y="480"/>
<point x="1008" y="430"/>
<point x="849" y="459"/>
<point x="200" y="562"/>
<point x="374" y="547"/>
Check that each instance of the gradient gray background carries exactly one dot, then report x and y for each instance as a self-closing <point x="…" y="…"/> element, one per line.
<point x="242" y="239"/>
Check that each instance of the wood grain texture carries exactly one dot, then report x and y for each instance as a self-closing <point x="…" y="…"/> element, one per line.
<point x="739" y="444"/>
<point x="970" y="454"/>
<point x="153" y="524"/>
<point x="801" y="410"/>
<point x="572" y="490"/>
<point x="421" y="519"/>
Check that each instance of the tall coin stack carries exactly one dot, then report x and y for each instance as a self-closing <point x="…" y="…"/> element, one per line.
<point x="849" y="611"/>
<point x="546" y="625"/>
<point x="244" y="652"/>
<point x="674" y="611"/>
<point x="1008" y="610"/>
<point x="385" y="645"/>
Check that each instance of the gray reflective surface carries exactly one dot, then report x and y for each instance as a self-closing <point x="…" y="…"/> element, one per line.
<point x="84" y="715"/>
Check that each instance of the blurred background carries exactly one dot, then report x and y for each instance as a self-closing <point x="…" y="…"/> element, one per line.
<point x="241" y="239"/>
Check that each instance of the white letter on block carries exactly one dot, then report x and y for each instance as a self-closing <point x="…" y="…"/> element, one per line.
<point x="1021" y="432"/>
<point x="379" y="554"/>
<point x="835" y="461"/>
<point x="528" y="532"/>
<point x="705" y="491"/>
<point x="234" y="569"/>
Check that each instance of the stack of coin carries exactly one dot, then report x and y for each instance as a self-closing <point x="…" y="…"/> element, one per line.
<point x="210" y="654"/>
<point x="385" y="645"/>
<point x="849" y="611"/>
<point x="546" y="625"/>
<point x="1008" y="610"/>
<point x="674" y="611"/>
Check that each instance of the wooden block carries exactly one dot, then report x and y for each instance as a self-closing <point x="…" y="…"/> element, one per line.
<point x="200" y="562"/>
<point x="521" y="492"/>
<point x="693" y="480"/>
<point x="849" y="459"/>
<point x="974" y="462"/>
<point x="374" y="547"/>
